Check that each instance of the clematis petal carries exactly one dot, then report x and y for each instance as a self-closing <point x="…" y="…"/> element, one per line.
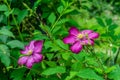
<point x="76" y="47"/>
<point x="93" y="35"/>
<point x="30" y="62"/>
<point x="38" y="46"/>
<point x="31" y="45"/>
<point x="25" y="51"/>
<point x="73" y="31"/>
<point x="37" y="57"/>
<point x="22" y="60"/>
<point x="87" y="42"/>
<point x="86" y="31"/>
<point x="70" y="39"/>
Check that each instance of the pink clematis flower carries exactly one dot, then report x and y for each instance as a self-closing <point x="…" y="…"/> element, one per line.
<point x="31" y="54"/>
<point x="79" y="38"/>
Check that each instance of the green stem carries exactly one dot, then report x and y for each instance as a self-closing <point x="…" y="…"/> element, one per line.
<point x="15" y="21"/>
<point x="53" y="26"/>
<point x="67" y="5"/>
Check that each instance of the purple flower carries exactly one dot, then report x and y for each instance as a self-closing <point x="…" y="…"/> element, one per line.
<point x="31" y="54"/>
<point x="79" y="38"/>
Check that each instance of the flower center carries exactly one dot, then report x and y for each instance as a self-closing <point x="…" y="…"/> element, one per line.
<point x="80" y="36"/>
<point x="29" y="52"/>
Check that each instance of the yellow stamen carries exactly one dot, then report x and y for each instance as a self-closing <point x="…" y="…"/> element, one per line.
<point x="29" y="52"/>
<point x="80" y="36"/>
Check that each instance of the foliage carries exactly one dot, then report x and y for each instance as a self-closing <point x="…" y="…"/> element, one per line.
<point x="24" y="20"/>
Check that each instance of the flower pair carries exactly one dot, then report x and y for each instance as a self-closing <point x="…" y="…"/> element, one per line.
<point x="31" y="54"/>
<point x="76" y="38"/>
<point x="79" y="38"/>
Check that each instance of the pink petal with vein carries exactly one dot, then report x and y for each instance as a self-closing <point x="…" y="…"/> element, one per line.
<point x="37" y="57"/>
<point x="73" y="31"/>
<point x="31" y="45"/>
<point x="76" y="47"/>
<point x="93" y="35"/>
<point x="30" y="62"/>
<point x="22" y="60"/>
<point x="70" y="39"/>
<point x="86" y="31"/>
<point x="25" y="51"/>
<point x="38" y="46"/>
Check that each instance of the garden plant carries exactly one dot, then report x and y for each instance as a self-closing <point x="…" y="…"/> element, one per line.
<point x="59" y="40"/>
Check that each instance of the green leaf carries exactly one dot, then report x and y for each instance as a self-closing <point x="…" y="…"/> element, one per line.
<point x="68" y="11"/>
<point x="60" y="9"/>
<point x="63" y="2"/>
<point x="16" y="11"/>
<point x="6" y="32"/>
<point x="5" y="55"/>
<point x="56" y="29"/>
<point x="101" y="22"/>
<point x="29" y="77"/>
<point x="99" y="70"/>
<point x="7" y="13"/>
<point x="1" y="18"/>
<point x="54" y="70"/>
<point x="109" y="21"/>
<point x="112" y="27"/>
<point x="65" y="20"/>
<point x="22" y="15"/>
<point x="47" y="44"/>
<point x="114" y="49"/>
<point x="89" y="74"/>
<point x="110" y="69"/>
<point x="115" y="74"/>
<point x="18" y="74"/>
<point x="3" y="7"/>
<point x="72" y="75"/>
<point x="51" y="63"/>
<point x="36" y="4"/>
<point x="15" y="44"/>
<point x="52" y="77"/>
<point x="38" y="35"/>
<point x="61" y="44"/>
<point x="49" y="56"/>
<point x="79" y="57"/>
<point x="51" y="46"/>
<point x="3" y="38"/>
<point x="52" y="18"/>
<point x="45" y="29"/>
<point x="43" y="65"/>
<point x="77" y="65"/>
<point x="65" y="55"/>
<point x="62" y="21"/>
